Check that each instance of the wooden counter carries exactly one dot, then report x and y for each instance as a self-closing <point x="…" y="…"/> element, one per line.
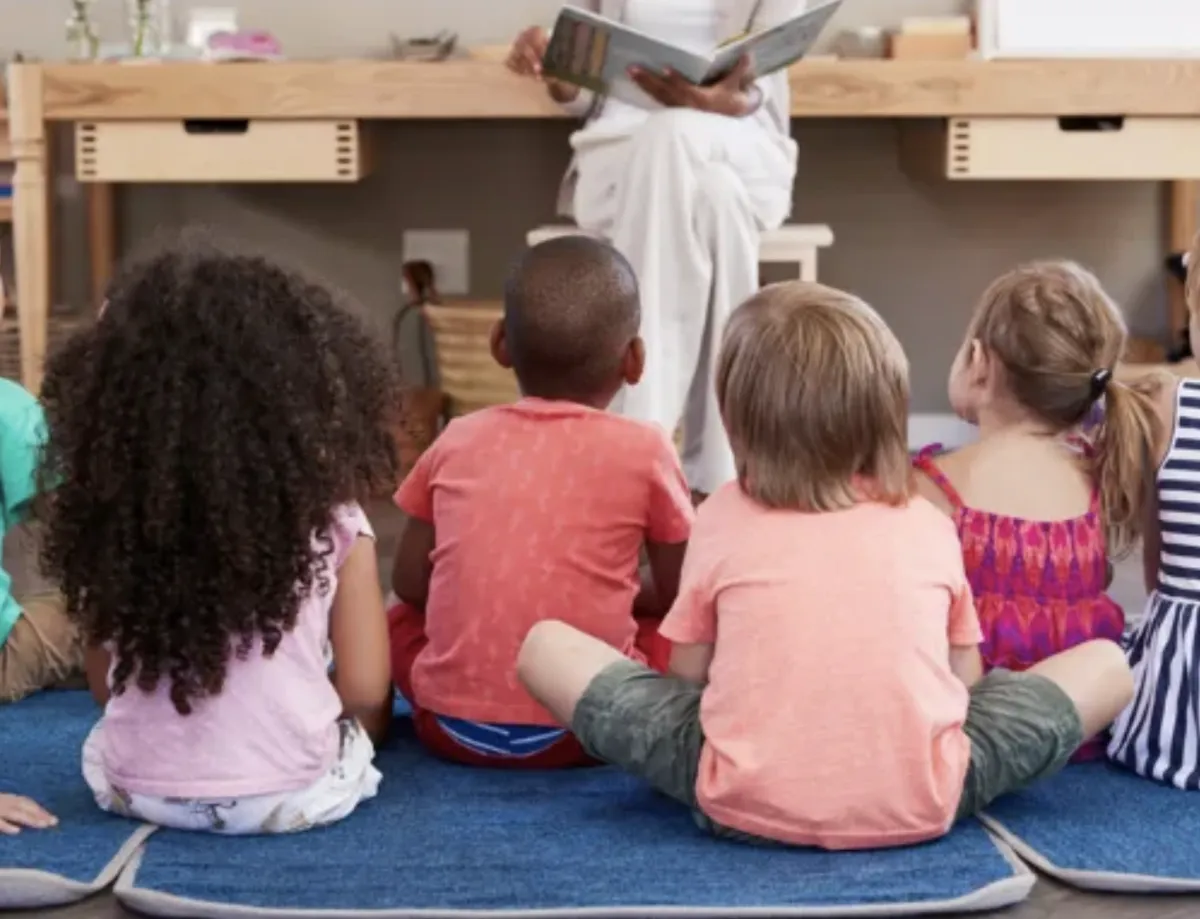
<point x="483" y="89"/>
<point x="352" y="91"/>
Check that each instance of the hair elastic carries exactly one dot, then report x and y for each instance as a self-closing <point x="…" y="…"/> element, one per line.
<point x="1100" y="380"/>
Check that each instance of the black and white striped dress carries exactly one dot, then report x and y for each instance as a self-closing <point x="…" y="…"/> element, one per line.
<point x="1158" y="735"/>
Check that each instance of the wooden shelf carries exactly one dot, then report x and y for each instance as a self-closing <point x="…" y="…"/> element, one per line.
<point x="483" y="89"/>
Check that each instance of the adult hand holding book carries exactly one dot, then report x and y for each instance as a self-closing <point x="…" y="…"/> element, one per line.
<point x="611" y="58"/>
<point x="525" y="59"/>
<point x="734" y="94"/>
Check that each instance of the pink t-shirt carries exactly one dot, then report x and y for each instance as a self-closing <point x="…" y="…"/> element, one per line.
<point x="540" y="510"/>
<point x="273" y="728"/>
<point x="831" y="715"/>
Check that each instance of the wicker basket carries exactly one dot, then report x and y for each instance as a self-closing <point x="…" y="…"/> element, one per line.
<point x="469" y="376"/>
<point x="61" y="327"/>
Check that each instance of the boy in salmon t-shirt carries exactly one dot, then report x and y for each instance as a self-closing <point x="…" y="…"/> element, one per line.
<point x="824" y="686"/>
<point x="534" y="511"/>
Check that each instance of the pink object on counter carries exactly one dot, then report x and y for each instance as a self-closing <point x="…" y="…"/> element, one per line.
<point x="243" y="46"/>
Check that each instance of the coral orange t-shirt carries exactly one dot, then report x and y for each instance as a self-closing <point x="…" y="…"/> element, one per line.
<point x="831" y="716"/>
<point x="540" y="510"/>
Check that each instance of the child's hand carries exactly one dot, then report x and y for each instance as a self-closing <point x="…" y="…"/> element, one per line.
<point x="17" y="811"/>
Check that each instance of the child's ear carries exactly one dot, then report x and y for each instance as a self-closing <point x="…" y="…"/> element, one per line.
<point x="979" y="363"/>
<point x="499" y="343"/>
<point x="634" y="364"/>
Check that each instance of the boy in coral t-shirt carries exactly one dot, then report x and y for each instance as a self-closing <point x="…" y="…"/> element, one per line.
<point x="533" y="511"/>
<point x="824" y="685"/>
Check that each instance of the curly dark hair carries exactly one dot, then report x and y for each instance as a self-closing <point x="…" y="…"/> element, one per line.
<point x="199" y="435"/>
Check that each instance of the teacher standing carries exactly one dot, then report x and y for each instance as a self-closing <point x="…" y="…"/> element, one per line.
<point x="682" y="185"/>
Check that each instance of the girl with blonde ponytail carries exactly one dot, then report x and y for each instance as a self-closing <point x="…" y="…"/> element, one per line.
<point x="1040" y="508"/>
<point x="1158" y="734"/>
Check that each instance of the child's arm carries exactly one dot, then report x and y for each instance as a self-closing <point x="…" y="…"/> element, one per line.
<point x="966" y="664"/>
<point x="666" y="567"/>
<point x="17" y="811"/>
<point x="413" y="566"/>
<point x="962" y="627"/>
<point x="359" y="635"/>
<point x="691" y="662"/>
<point x="1151" y="534"/>
<point x="669" y="517"/>
<point x="96" y="664"/>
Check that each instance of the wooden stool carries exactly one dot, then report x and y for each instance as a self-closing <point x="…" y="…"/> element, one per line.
<point x="792" y="244"/>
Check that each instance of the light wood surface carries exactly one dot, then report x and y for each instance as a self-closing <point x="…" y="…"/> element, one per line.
<point x="31" y="217"/>
<point x="252" y="150"/>
<point x="483" y="89"/>
<point x="480" y="88"/>
<point x="1022" y="149"/>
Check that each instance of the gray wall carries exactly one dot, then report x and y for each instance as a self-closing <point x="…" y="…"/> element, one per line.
<point x="920" y="252"/>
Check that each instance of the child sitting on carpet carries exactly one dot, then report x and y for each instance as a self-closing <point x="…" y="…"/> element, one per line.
<point x="536" y="510"/>
<point x="39" y="645"/>
<point x="824" y="687"/>
<point x="213" y="435"/>
<point x="1158" y="735"/>
<point x="1038" y="514"/>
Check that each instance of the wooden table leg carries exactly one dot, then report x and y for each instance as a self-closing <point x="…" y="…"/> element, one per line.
<point x="102" y="236"/>
<point x="31" y="217"/>
<point x="1182" y="200"/>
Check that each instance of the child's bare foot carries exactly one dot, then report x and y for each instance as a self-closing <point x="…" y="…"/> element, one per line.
<point x="17" y="811"/>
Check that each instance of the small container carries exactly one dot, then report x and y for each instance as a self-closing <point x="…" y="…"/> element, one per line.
<point x="82" y="37"/>
<point x="865" y="42"/>
<point x="149" y="28"/>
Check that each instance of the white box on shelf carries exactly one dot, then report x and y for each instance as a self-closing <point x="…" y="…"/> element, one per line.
<point x="1088" y="28"/>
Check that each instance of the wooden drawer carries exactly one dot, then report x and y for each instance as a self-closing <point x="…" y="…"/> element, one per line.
<point x="1055" y="148"/>
<point x="219" y="151"/>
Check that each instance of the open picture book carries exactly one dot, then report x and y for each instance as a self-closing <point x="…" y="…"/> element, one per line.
<point x="596" y="53"/>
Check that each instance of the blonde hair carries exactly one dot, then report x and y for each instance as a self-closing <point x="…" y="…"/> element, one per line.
<point x="1059" y="336"/>
<point x="813" y="389"/>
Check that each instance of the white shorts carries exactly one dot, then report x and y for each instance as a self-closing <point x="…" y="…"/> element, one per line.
<point x="351" y="779"/>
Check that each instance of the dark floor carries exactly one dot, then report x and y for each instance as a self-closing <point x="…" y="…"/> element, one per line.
<point x="1050" y="899"/>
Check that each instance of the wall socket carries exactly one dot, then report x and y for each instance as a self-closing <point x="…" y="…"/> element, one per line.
<point x="448" y="251"/>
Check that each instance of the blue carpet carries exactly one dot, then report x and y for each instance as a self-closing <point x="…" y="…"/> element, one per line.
<point x="1098" y="827"/>
<point x="40" y="743"/>
<point x="457" y="840"/>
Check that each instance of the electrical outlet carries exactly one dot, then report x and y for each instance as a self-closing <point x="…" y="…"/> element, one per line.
<point x="448" y="251"/>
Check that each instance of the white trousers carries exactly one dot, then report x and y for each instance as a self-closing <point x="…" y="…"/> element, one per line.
<point x="351" y="780"/>
<point x="684" y="196"/>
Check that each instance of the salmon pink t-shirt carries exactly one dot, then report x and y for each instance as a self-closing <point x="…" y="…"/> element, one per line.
<point x="540" y="510"/>
<point x="831" y="716"/>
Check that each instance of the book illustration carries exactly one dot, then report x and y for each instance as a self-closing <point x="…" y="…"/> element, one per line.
<point x="577" y="54"/>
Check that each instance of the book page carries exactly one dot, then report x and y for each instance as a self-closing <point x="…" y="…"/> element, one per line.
<point x="777" y="47"/>
<point x="596" y="53"/>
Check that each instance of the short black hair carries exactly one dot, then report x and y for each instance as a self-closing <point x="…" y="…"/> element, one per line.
<point x="571" y="307"/>
<point x="200" y="434"/>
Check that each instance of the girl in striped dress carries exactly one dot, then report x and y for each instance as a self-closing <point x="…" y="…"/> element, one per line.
<point x="1158" y="735"/>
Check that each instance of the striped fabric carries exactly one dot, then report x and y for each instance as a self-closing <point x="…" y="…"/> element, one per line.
<point x="512" y="740"/>
<point x="1158" y="735"/>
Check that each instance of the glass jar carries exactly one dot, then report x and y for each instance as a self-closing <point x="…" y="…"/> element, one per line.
<point x="149" y="27"/>
<point x="82" y="37"/>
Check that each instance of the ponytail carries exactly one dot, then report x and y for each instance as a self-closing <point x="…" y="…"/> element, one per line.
<point x="1125" y="447"/>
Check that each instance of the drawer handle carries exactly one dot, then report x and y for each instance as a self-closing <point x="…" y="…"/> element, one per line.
<point x="216" y="125"/>
<point x="1091" y="124"/>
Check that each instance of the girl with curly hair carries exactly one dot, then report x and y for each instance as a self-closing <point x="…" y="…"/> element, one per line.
<point x="210" y="440"/>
